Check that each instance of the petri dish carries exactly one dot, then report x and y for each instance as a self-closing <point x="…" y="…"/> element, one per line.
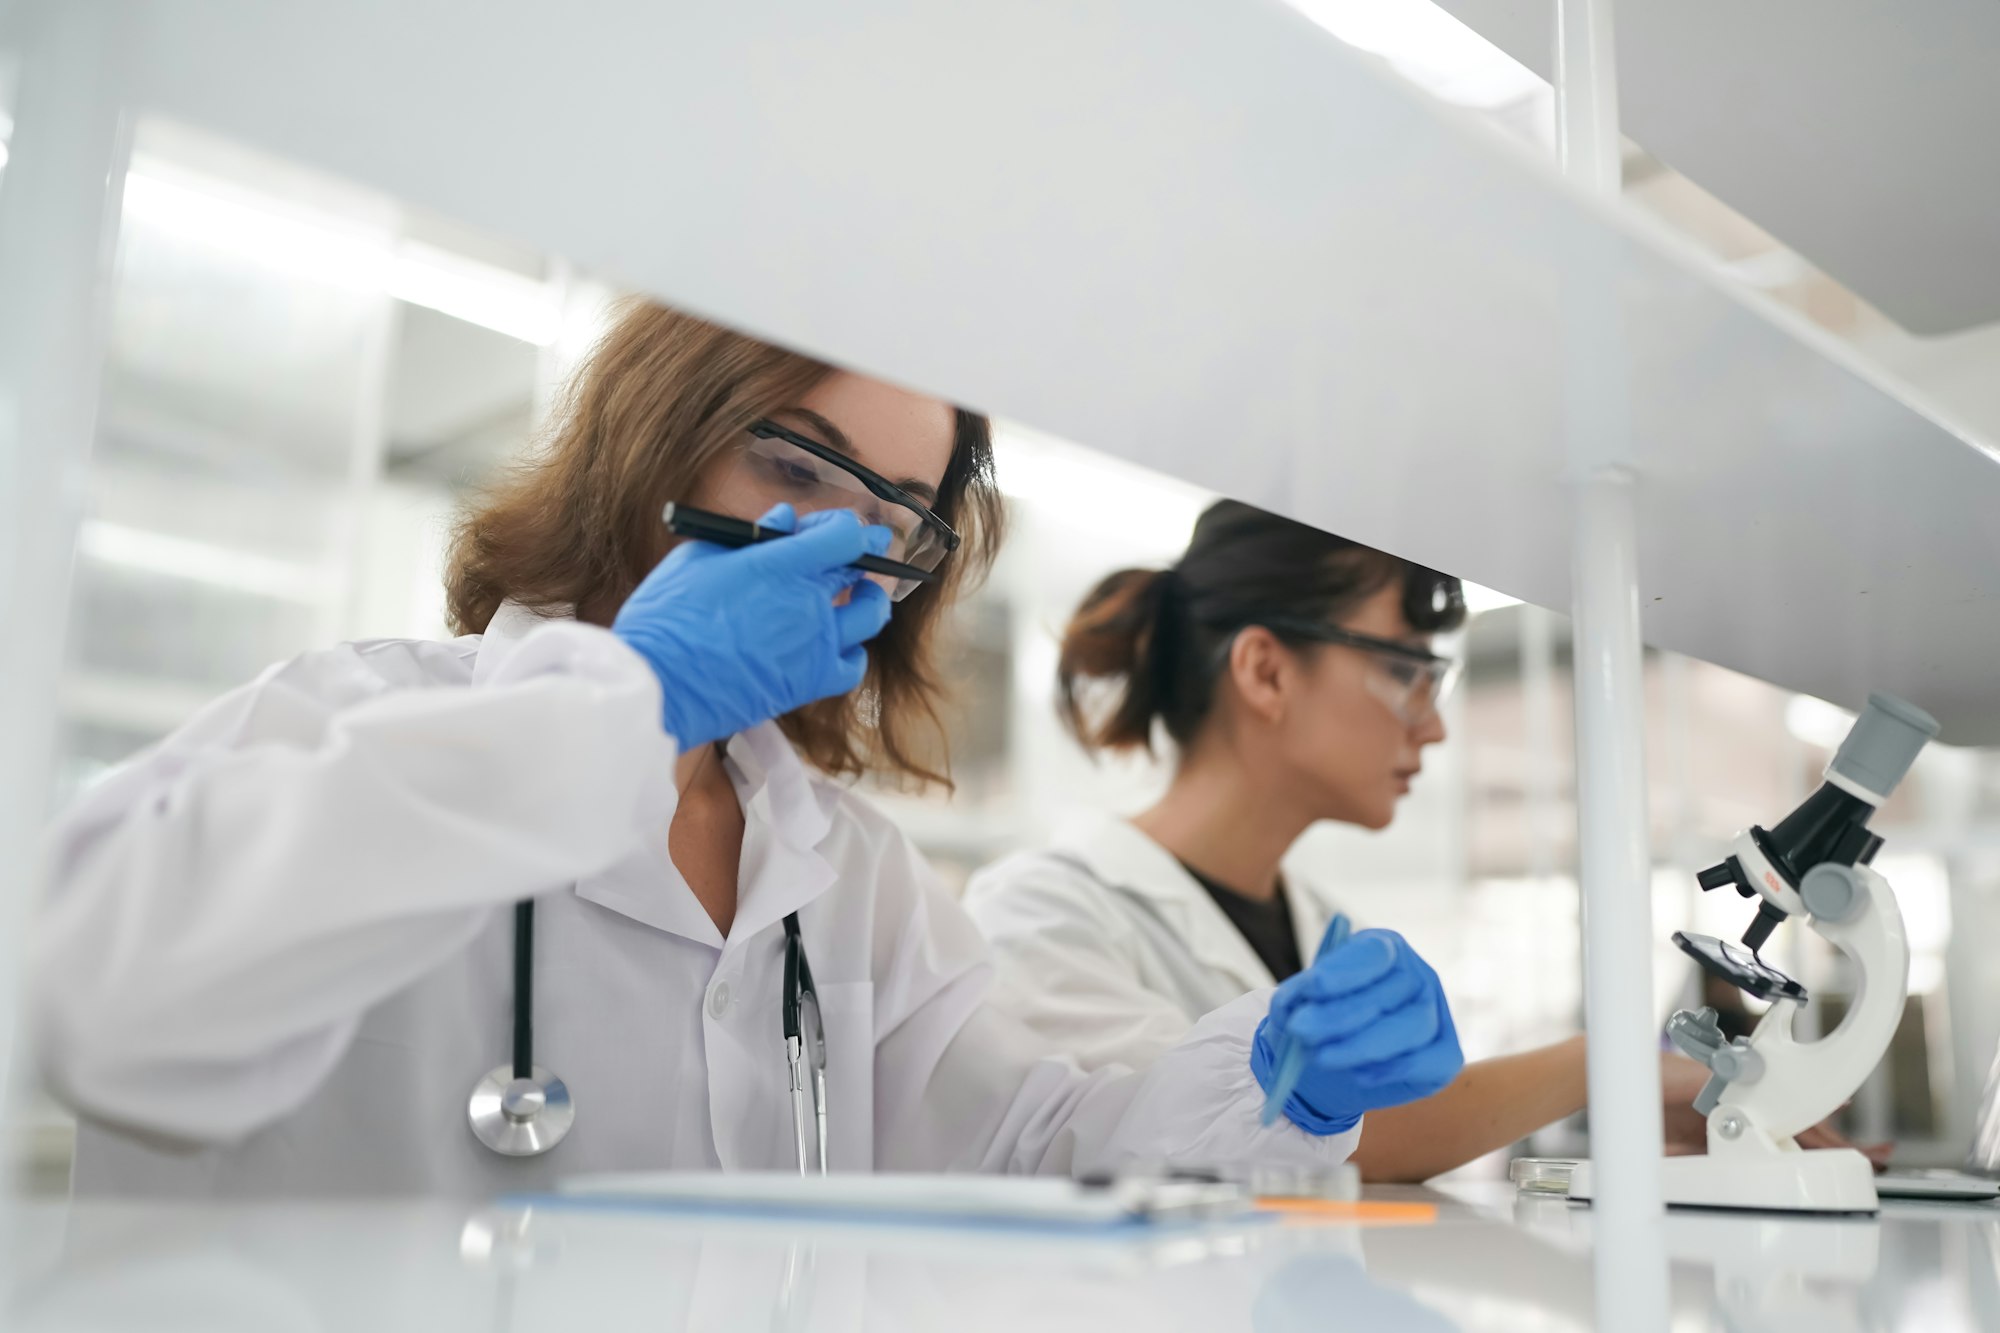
<point x="1339" y="1184"/>
<point x="1541" y="1175"/>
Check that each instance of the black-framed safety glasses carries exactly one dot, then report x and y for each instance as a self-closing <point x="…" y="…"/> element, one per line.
<point x="782" y="465"/>
<point x="1414" y="682"/>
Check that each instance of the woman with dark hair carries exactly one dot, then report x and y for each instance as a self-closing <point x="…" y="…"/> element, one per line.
<point x="591" y="863"/>
<point x="1293" y="673"/>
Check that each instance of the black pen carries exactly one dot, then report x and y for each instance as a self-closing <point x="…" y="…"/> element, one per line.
<point x="704" y="525"/>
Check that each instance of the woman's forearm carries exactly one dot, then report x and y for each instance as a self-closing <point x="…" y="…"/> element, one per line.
<point x="1489" y="1105"/>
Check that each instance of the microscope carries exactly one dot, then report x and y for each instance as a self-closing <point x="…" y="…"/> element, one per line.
<point x="1765" y="1088"/>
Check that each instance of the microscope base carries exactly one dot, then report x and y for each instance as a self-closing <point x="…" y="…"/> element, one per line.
<point x="1819" y="1180"/>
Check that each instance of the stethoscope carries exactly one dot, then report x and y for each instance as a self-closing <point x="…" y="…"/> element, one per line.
<point x="522" y="1110"/>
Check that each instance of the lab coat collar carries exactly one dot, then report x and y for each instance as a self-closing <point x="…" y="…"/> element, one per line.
<point x="782" y="867"/>
<point x="784" y="826"/>
<point x="769" y="772"/>
<point x="510" y="624"/>
<point x="1126" y="859"/>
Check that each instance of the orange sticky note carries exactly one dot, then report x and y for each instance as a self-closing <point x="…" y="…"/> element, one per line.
<point x="1363" y="1212"/>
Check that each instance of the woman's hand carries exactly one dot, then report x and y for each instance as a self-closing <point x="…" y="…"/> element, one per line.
<point x="1682" y="1079"/>
<point x="1376" y="1030"/>
<point x="739" y="637"/>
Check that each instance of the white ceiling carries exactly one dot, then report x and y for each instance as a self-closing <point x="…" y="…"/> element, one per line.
<point x="236" y="354"/>
<point x="456" y="384"/>
<point x="1865" y="135"/>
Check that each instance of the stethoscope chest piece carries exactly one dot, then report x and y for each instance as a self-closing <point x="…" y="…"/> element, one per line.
<point x="520" y="1117"/>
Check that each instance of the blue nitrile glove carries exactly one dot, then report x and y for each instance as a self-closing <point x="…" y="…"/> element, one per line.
<point x="739" y="637"/>
<point x="1376" y="1030"/>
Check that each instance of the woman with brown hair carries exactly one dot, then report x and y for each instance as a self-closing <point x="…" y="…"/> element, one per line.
<point x="278" y="951"/>
<point x="1293" y="673"/>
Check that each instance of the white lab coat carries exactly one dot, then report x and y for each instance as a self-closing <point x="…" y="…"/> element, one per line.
<point x="276" y="955"/>
<point x="1111" y="950"/>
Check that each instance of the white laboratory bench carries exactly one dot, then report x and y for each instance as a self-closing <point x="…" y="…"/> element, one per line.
<point x="1489" y="1260"/>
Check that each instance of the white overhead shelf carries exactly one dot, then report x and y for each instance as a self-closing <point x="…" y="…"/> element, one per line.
<point x="1860" y="134"/>
<point x="1207" y="237"/>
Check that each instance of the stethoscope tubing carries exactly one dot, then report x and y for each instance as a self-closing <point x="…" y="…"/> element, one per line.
<point x="524" y="988"/>
<point x="519" y="1110"/>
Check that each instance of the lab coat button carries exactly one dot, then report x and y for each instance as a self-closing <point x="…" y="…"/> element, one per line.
<point x="718" y="999"/>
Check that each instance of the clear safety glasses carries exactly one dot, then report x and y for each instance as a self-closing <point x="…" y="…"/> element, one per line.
<point x="778" y="465"/>
<point x="1413" y="682"/>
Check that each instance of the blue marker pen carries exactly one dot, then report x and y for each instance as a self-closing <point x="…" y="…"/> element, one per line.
<point x="1290" y="1054"/>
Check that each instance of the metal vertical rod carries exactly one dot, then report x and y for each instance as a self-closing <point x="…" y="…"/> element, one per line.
<point x="59" y="201"/>
<point x="1538" y="709"/>
<point x="1586" y="88"/>
<point x="346" y="558"/>
<point x="1799" y="957"/>
<point x="1614" y="860"/>
<point x="1677" y="705"/>
<point x="555" y="362"/>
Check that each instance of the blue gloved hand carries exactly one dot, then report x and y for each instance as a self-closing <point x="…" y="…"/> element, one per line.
<point x="739" y="637"/>
<point x="1375" y="1027"/>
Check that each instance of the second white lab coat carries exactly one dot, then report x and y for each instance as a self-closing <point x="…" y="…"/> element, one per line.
<point x="1111" y="950"/>
<point x="275" y="954"/>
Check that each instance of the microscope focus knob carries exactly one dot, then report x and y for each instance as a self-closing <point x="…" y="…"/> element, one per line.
<point x="1832" y="892"/>
<point x="1737" y="1063"/>
<point x="1697" y="1032"/>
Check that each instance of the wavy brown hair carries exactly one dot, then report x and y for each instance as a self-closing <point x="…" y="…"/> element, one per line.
<point x="575" y="527"/>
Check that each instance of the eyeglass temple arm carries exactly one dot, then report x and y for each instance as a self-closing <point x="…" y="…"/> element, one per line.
<point x="881" y="487"/>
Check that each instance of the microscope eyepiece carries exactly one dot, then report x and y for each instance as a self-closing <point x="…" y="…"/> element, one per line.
<point x="1882" y="744"/>
<point x="1831" y="825"/>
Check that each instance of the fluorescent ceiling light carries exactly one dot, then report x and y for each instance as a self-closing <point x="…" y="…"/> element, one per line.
<point x="1096" y="493"/>
<point x="477" y="293"/>
<point x="1769" y="269"/>
<point x="321" y="249"/>
<point x="1817" y="722"/>
<point x="1428" y="47"/>
<point x="200" y="562"/>
<point x="257" y="232"/>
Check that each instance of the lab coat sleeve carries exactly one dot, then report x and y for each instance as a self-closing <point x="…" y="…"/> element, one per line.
<point x="963" y="1085"/>
<point x="222" y="911"/>
<point x="1065" y="967"/>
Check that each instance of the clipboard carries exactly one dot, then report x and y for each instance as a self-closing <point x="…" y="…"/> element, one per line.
<point x="1036" y="1202"/>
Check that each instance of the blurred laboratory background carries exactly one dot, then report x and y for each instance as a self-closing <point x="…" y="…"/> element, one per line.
<point x="304" y="379"/>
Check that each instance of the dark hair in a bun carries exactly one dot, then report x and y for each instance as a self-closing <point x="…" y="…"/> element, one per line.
<point x="1148" y="639"/>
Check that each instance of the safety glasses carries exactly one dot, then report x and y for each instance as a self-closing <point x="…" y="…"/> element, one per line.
<point x="1413" y="682"/>
<point x="777" y="465"/>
